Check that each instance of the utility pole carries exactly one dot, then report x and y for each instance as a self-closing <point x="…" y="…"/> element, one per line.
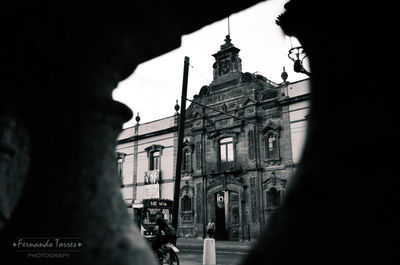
<point x="181" y="131"/>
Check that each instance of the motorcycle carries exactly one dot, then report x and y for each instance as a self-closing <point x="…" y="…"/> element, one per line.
<point x="167" y="254"/>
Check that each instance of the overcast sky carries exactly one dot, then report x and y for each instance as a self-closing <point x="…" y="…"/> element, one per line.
<point x="154" y="87"/>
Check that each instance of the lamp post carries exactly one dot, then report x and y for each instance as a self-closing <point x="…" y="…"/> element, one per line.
<point x="297" y="55"/>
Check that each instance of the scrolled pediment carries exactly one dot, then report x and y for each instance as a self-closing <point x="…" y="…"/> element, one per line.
<point x="271" y="126"/>
<point x="186" y="190"/>
<point x="272" y="181"/>
<point x="249" y="101"/>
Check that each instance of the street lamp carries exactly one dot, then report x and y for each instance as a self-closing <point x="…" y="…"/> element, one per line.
<point x="297" y="55"/>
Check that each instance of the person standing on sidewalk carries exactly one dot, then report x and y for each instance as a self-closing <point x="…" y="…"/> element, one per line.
<point x="211" y="229"/>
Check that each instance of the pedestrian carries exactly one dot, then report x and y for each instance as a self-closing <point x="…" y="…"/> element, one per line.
<point x="210" y="229"/>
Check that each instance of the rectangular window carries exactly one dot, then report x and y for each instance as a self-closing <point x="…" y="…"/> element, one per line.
<point x="273" y="198"/>
<point x="120" y="163"/>
<point x="187" y="161"/>
<point x="155" y="161"/>
<point x="272" y="147"/>
<point x="223" y="152"/>
<point x="186" y="203"/>
<point x="271" y="143"/>
<point x="227" y="153"/>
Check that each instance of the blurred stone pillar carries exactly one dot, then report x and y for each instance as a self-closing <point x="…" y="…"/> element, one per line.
<point x="59" y="128"/>
<point x="60" y="63"/>
<point x="72" y="188"/>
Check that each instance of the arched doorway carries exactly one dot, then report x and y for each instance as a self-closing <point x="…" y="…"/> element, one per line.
<point x="227" y="215"/>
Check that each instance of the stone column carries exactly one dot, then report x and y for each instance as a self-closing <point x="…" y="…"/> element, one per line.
<point x="60" y="63"/>
<point x="72" y="186"/>
<point x="59" y="130"/>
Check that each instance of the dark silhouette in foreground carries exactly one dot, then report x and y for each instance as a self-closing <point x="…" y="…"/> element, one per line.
<point x="61" y="61"/>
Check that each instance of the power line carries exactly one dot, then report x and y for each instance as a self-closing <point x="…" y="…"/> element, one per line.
<point x="205" y="78"/>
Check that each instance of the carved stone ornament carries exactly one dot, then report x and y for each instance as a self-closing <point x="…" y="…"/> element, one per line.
<point x="247" y="77"/>
<point x="198" y="202"/>
<point x="273" y="181"/>
<point x="271" y="126"/>
<point x="253" y="199"/>
<point x="205" y="89"/>
<point x="225" y="132"/>
<point x="187" y="144"/>
<point x="249" y="101"/>
<point x="224" y="107"/>
<point x="186" y="190"/>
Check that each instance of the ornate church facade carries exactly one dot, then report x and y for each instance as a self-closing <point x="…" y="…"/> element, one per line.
<point x="240" y="131"/>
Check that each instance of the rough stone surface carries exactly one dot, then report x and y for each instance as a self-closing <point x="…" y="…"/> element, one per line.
<point x="60" y="62"/>
<point x="342" y="209"/>
<point x="14" y="164"/>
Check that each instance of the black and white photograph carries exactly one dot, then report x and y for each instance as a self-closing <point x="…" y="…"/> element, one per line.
<point x="199" y="132"/>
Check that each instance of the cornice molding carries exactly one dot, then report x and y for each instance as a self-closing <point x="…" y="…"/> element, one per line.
<point x="148" y="135"/>
<point x="290" y="100"/>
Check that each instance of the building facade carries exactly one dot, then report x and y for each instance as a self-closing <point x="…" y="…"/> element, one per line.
<point x="146" y="160"/>
<point x="243" y="139"/>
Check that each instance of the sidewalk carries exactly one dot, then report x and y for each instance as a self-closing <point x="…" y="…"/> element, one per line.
<point x="192" y="243"/>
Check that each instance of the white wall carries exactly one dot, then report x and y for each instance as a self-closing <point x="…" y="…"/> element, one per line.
<point x="127" y="193"/>
<point x="298" y="118"/>
<point x="167" y="160"/>
<point x="167" y="157"/>
<point x="299" y="88"/>
<point x="167" y="190"/>
<point x="156" y="125"/>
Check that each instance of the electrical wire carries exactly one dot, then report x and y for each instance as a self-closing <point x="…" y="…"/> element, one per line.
<point x="199" y="73"/>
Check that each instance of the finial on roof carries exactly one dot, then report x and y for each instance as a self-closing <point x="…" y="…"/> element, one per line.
<point x="137" y="118"/>
<point x="228" y="39"/>
<point x="176" y="107"/>
<point x="284" y="75"/>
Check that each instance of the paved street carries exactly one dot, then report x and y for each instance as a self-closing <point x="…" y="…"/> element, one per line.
<point x="195" y="257"/>
<point x="227" y="252"/>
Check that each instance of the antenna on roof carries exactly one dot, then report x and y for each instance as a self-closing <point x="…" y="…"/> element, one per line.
<point x="229" y="30"/>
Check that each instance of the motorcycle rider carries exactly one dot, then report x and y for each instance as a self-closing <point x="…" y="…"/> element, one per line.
<point x="165" y="233"/>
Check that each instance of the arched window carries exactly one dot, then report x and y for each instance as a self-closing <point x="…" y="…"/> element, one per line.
<point x="186" y="204"/>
